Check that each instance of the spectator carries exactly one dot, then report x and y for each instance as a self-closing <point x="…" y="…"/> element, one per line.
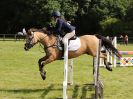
<point x="126" y="39"/>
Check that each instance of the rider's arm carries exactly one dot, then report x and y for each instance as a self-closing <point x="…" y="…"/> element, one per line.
<point x="59" y="27"/>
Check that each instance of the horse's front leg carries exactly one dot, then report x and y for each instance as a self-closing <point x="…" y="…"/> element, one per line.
<point x="42" y="72"/>
<point x="42" y="62"/>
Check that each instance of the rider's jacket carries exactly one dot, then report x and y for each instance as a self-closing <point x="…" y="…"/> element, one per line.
<point x="62" y="27"/>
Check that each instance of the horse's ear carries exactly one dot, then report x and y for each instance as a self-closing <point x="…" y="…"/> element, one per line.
<point x="31" y="31"/>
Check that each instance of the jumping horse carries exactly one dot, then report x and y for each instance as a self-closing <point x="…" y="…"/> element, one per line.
<point x="88" y="46"/>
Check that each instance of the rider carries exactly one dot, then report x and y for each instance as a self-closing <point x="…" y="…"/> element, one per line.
<point x="63" y="28"/>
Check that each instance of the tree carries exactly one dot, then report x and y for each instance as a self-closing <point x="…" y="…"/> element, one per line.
<point x="86" y="14"/>
<point x="87" y="19"/>
<point x="113" y="13"/>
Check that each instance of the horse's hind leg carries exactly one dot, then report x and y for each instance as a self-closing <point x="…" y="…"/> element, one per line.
<point x="107" y="64"/>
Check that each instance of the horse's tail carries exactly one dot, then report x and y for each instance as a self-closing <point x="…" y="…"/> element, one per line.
<point x="108" y="45"/>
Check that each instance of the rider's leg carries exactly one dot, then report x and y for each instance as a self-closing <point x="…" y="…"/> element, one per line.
<point x="68" y="36"/>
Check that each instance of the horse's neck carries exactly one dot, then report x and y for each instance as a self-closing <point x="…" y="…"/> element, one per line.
<point x="48" y="40"/>
<point x="52" y="38"/>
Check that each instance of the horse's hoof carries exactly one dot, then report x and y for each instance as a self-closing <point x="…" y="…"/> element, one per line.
<point x="43" y="75"/>
<point x="109" y="68"/>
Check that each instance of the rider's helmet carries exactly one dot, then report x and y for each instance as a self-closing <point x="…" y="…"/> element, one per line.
<point x="56" y="14"/>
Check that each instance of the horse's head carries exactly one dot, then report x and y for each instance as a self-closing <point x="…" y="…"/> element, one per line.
<point x="31" y="39"/>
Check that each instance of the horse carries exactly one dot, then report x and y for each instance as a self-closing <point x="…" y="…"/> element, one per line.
<point x="89" y="44"/>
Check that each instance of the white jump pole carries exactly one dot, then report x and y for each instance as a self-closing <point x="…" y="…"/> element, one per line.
<point x="115" y="45"/>
<point x="71" y="72"/>
<point x="101" y="59"/>
<point x="110" y="57"/>
<point x="96" y="70"/>
<point x="65" y="69"/>
<point x="108" y="52"/>
<point x="66" y="62"/>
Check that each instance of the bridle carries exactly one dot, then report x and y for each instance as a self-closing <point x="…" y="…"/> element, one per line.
<point x="31" y="43"/>
<point x="30" y="40"/>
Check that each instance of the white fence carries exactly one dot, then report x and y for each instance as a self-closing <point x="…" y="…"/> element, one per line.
<point x="123" y="61"/>
<point x="16" y="37"/>
<point x="11" y="37"/>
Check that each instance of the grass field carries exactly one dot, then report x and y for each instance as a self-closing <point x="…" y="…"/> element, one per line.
<point x="20" y="78"/>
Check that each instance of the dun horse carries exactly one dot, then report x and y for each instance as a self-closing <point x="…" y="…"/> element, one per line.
<point x="88" y="46"/>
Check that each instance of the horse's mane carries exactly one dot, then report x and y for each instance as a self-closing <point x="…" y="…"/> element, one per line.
<point x="43" y="30"/>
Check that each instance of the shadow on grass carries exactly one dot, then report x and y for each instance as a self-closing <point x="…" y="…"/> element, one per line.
<point x="76" y="91"/>
<point x="85" y="89"/>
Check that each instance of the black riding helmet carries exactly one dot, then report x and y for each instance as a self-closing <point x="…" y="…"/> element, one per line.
<point x="56" y="14"/>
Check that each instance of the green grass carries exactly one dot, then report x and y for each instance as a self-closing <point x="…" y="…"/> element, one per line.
<point x="20" y="78"/>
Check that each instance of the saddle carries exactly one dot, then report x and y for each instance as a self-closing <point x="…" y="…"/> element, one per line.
<point x="60" y="43"/>
<point x="73" y="43"/>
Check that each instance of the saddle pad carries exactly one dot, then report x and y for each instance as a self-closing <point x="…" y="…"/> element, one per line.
<point x="74" y="44"/>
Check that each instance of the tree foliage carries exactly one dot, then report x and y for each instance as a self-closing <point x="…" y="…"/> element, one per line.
<point x="89" y="16"/>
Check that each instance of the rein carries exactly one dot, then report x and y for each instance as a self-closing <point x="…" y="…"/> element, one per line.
<point x="54" y="45"/>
